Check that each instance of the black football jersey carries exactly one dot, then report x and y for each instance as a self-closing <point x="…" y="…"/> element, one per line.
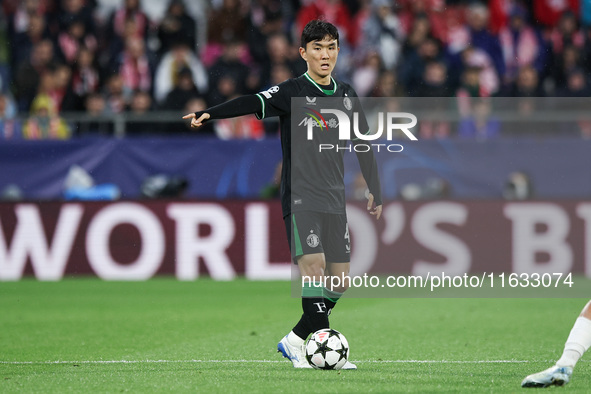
<point x="313" y="179"/>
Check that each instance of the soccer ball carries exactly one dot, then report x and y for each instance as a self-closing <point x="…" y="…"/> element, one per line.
<point x="327" y="349"/>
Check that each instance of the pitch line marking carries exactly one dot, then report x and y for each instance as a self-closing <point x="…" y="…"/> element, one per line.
<point x="261" y="361"/>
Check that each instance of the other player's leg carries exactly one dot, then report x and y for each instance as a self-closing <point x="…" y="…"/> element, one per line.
<point x="578" y="342"/>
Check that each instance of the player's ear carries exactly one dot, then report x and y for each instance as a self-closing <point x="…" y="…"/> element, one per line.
<point x="303" y="53"/>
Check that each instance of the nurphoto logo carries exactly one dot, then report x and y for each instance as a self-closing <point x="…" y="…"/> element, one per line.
<point x="343" y="123"/>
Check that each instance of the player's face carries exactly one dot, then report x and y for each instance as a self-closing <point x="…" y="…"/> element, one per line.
<point x="321" y="57"/>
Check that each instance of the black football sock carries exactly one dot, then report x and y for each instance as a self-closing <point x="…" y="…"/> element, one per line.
<point x="314" y="317"/>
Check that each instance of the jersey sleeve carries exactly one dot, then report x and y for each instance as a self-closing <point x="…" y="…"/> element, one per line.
<point x="367" y="160"/>
<point x="276" y="101"/>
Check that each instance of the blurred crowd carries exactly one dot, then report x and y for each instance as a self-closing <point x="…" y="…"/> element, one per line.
<point x="102" y="58"/>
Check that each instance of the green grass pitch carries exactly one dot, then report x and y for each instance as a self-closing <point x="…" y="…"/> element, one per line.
<point x="86" y="335"/>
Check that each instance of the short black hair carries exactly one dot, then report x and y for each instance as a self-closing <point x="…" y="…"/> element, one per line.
<point x="317" y="30"/>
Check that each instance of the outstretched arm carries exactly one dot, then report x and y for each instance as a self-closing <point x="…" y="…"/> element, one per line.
<point x="240" y="106"/>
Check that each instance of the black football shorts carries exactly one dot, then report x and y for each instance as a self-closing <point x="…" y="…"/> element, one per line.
<point x="311" y="232"/>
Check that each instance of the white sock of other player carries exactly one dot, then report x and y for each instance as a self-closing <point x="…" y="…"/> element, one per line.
<point x="579" y="340"/>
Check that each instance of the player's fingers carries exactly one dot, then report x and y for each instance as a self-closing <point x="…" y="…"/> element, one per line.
<point x="203" y="118"/>
<point x="369" y="202"/>
<point x="378" y="212"/>
<point x="189" y="116"/>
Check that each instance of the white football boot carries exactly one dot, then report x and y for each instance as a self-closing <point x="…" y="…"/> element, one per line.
<point x="554" y="376"/>
<point x="295" y="354"/>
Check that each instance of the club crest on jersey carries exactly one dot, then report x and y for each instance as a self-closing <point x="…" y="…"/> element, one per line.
<point x="313" y="240"/>
<point x="347" y="103"/>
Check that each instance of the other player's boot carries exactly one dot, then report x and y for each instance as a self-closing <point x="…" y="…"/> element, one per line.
<point x="557" y="376"/>
<point x="349" y="365"/>
<point x="294" y="353"/>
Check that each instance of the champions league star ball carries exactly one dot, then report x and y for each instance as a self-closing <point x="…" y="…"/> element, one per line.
<point x="327" y="349"/>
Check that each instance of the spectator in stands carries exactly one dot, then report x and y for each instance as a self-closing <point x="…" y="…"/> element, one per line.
<point x="73" y="38"/>
<point x="167" y="73"/>
<point x="177" y="25"/>
<point x="265" y="19"/>
<point x="488" y="79"/>
<point x="521" y="45"/>
<point x="227" y="23"/>
<point x="85" y="75"/>
<point x="564" y="63"/>
<point x="387" y="85"/>
<point x="435" y="82"/>
<point x="116" y="44"/>
<point x="21" y="12"/>
<point x="527" y="84"/>
<point x="141" y="104"/>
<point x="412" y="70"/>
<point x="29" y="73"/>
<point x="419" y="31"/>
<point x="434" y="11"/>
<point x="9" y="126"/>
<point x="229" y="65"/>
<point x="95" y="121"/>
<point x="135" y="65"/>
<point x="184" y="90"/>
<point x="469" y="88"/>
<point x="76" y="10"/>
<point x="280" y="52"/>
<point x="383" y="33"/>
<point x="576" y="85"/>
<point x="225" y="88"/>
<point x="470" y="85"/>
<point x="23" y="43"/>
<point x="115" y="95"/>
<point x="480" y="124"/>
<point x="360" y="11"/>
<point x="61" y="92"/>
<point x="476" y="34"/>
<point x="44" y="122"/>
<point x="566" y="33"/>
<point x="131" y="11"/>
<point x="366" y="76"/>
